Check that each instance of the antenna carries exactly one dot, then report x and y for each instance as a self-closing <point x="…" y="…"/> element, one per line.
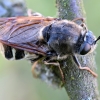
<point x="97" y="40"/>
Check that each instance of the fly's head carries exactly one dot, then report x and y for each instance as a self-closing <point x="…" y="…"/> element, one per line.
<point x="88" y="44"/>
<point x="88" y="39"/>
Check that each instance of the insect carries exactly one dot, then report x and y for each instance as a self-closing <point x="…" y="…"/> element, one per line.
<point x="36" y="37"/>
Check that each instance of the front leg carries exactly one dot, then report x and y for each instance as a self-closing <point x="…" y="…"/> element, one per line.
<point x="85" y="68"/>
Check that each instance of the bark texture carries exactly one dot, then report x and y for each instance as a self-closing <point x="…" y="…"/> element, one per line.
<point x="79" y="84"/>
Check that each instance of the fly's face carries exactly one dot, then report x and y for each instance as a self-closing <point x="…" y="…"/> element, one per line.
<point x="89" y="44"/>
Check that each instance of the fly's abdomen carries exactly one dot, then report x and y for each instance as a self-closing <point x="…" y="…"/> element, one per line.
<point x="11" y="53"/>
<point x="16" y="54"/>
<point x="7" y="52"/>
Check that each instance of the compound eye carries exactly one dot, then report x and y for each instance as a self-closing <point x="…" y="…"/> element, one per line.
<point x="86" y="49"/>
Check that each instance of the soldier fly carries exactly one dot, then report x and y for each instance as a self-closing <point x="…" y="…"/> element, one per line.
<point x="36" y="37"/>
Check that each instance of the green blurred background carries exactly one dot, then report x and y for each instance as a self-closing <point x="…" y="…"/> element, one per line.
<point x="16" y="81"/>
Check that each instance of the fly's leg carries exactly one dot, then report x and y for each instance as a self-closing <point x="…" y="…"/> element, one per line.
<point x="35" y="63"/>
<point x="83" y="68"/>
<point x="33" y="67"/>
<point x="77" y="19"/>
<point x="58" y="65"/>
<point x="85" y="29"/>
<point x="31" y="13"/>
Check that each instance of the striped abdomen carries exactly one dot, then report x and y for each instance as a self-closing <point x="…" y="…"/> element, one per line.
<point x="16" y="54"/>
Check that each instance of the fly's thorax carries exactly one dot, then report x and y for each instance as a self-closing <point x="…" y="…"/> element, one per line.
<point x="61" y="36"/>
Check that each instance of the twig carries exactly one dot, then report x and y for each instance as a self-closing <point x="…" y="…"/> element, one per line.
<point x="79" y="84"/>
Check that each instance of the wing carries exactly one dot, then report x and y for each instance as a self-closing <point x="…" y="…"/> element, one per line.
<point x="22" y="32"/>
